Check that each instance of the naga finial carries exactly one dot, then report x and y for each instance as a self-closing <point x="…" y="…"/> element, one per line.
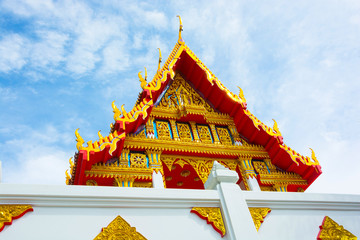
<point x="67" y="177"/>
<point x="142" y="80"/>
<point x="71" y="164"/>
<point x="241" y="95"/>
<point x="180" y="29"/>
<point x="116" y="111"/>
<point x="123" y="110"/>
<point x="99" y="134"/>
<point x="275" y="127"/>
<point x="159" y="60"/>
<point x="313" y="157"/>
<point x="80" y="141"/>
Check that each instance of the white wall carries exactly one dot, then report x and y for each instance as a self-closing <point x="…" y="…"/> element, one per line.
<point x="79" y="212"/>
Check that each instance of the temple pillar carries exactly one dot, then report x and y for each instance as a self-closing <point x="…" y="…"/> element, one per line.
<point x="174" y="130"/>
<point x="238" y="221"/>
<point x="156" y="165"/>
<point x="124" y="158"/>
<point x="214" y="133"/>
<point x="253" y="184"/>
<point x="250" y="174"/>
<point x="157" y="180"/>
<point x="194" y="131"/>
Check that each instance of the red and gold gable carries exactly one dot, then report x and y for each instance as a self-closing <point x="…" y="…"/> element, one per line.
<point x="183" y="120"/>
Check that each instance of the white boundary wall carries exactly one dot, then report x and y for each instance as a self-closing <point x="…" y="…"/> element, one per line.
<point x="79" y="212"/>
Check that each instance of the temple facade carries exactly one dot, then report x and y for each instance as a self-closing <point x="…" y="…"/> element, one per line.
<point x="189" y="161"/>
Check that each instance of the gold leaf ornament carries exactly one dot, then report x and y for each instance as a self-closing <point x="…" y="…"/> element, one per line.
<point x="119" y="229"/>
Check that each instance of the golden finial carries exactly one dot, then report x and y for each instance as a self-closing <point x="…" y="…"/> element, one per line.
<point x="111" y="125"/>
<point x="116" y="111"/>
<point x="79" y="140"/>
<point x="241" y="94"/>
<point x="71" y="164"/>
<point x="180" y="30"/>
<point x="313" y="157"/>
<point x="142" y="80"/>
<point x="123" y="110"/>
<point x="99" y="134"/>
<point x="159" y="60"/>
<point x="67" y="177"/>
<point x="276" y="128"/>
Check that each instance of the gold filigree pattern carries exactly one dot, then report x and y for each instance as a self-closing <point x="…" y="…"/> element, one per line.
<point x="213" y="216"/>
<point x="258" y="215"/>
<point x="331" y="230"/>
<point x="269" y="174"/>
<point x="10" y="212"/>
<point x="138" y="160"/>
<point x="202" y="166"/>
<point x="224" y="135"/>
<point x="204" y="133"/>
<point x="162" y="129"/>
<point x="119" y="229"/>
<point x="184" y="131"/>
<point x="180" y="94"/>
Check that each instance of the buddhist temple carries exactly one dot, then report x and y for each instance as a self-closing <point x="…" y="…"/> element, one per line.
<point x="189" y="161"/>
<point x="184" y="120"/>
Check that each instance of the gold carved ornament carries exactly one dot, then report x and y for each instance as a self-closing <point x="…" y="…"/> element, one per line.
<point x="258" y="215"/>
<point x="330" y="230"/>
<point x="224" y="135"/>
<point x="119" y="229"/>
<point x="10" y="212"/>
<point x="213" y="216"/>
<point x="184" y="132"/>
<point x="163" y="130"/>
<point x="204" y="133"/>
<point x="202" y="166"/>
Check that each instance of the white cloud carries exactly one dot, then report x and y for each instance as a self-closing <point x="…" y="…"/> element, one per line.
<point x="13" y="52"/>
<point x="116" y="58"/>
<point x="35" y="156"/>
<point x="49" y="50"/>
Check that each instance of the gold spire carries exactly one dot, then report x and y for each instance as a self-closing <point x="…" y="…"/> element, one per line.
<point x="181" y="41"/>
<point x="159" y="60"/>
<point x="142" y="80"/>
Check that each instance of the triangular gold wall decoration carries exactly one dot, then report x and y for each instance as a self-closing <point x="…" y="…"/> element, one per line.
<point x="11" y="212"/>
<point x="213" y="216"/>
<point x="331" y="230"/>
<point x="258" y="215"/>
<point x="119" y="229"/>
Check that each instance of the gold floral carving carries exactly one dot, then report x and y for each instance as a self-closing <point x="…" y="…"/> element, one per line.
<point x="184" y="131"/>
<point x="224" y="135"/>
<point x="202" y="166"/>
<point x="10" y="212"/>
<point x="254" y="151"/>
<point x="119" y="229"/>
<point x="204" y="133"/>
<point x="258" y="215"/>
<point x="213" y="216"/>
<point x="182" y="97"/>
<point x="162" y="129"/>
<point x="138" y="160"/>
<point x="331" y="230"/>
<point x="269" y="174"/>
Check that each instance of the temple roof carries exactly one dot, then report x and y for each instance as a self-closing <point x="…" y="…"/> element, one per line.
<point x="183" y="61"/>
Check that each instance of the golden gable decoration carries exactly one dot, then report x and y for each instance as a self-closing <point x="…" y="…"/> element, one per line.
<point x="119" y="229"/>
<point x="331" y="230"/>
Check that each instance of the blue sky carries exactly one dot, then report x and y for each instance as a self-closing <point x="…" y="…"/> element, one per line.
<point x="62" y="63"/>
